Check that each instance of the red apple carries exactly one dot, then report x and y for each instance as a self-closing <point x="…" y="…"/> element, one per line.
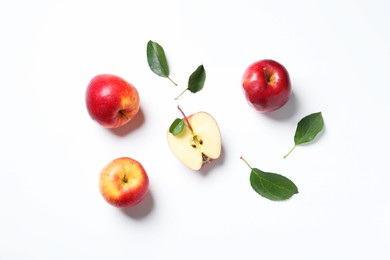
<point x="267" y="86"/>
<point x="111" y="101"/>
<point x="124" y="182"/>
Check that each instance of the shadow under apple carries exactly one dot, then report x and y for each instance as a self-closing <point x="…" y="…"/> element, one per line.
<point x="141" y="210"/>
<point x="133" y="124"/>
<point x="287" y="111"/>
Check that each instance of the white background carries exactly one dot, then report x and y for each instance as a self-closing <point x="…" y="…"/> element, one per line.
<point x="51" y="152"/>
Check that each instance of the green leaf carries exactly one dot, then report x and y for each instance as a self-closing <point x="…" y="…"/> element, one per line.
<point x="271" y="185"/>
<point x="157" y="60"/>
<point x="308" y="128"/>
<point x="197" y="79"/>
<point x="177" y="126"/>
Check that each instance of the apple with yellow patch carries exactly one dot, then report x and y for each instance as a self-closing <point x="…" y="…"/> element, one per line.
<point x="111" y="101"/>
<point x="123" y="182"/>
<point x="199" y="142"/>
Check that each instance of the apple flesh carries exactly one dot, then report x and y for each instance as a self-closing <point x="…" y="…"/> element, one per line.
<point x="267" y="85"/>
<point x="111" y="101"/>
<point x="123" y="182"/>
<point x="199" y="145"/>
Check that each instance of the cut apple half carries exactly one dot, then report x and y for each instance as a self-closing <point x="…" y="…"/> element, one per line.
<point x="199" y="145"/>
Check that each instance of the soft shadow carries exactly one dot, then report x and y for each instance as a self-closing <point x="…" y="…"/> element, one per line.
<point x="287" y="111"/>
<point x="142" y="209"/>
<point x="207" y="168"/>
<point x="134" y="123"/>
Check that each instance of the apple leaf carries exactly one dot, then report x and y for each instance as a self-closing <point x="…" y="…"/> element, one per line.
<point x="157" y="60"/>
<point x="195" y="81"/>
<point x="307" y="129"/>
<point x="177" y="126"/>
<point x="270" y="185"/>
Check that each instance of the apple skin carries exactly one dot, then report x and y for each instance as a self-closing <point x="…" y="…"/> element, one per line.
<point x="267" y="85"/>
<point x="111" y="101"/>
<point x="123" y="182"/>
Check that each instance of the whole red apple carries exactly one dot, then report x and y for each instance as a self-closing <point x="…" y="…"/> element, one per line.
<point x="124" y="182"/>
<point x="267" y="86"/>
<point x="111" y="101"/>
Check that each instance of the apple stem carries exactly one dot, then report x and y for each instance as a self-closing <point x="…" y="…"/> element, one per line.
<point x="123" y="114"/>
<point x="125" y="180"/>
<point x="172" y="81"/>
<point x="242" y="158"/>
<point x="292" y="149"/>
<point x="267" y="76"/>
<point x="176" y="98"/>
<point x="186" y="119"/>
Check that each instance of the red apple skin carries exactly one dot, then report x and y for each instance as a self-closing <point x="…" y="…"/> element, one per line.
<point x="123" y="182"/>
<point x="111" y="101"/>
<point x="267" y="85"/>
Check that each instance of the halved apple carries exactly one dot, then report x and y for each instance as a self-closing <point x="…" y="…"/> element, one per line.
<point x="198" y="143"/>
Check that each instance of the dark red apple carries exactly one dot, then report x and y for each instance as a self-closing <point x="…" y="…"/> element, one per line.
<point x="267" y="86"/>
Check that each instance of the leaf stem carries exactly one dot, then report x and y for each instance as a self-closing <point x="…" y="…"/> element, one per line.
<point x="242" y="158"/>
<point x="292" y="149"/>
<point x="172" y="81"/>
<point x="186" y="119"/>
<point x="176" y="98"/>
